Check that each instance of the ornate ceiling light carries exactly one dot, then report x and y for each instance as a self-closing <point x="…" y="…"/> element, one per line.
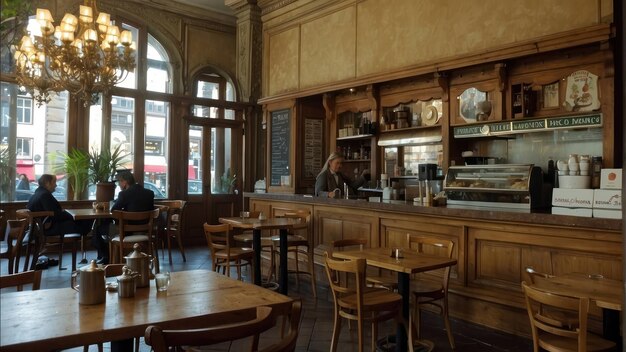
<point x="85" y="56"/>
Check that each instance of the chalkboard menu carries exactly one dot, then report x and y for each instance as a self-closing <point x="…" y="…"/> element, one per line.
<point x="279" y="144"/>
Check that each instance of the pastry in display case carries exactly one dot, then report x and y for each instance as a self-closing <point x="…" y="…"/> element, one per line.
<point x="516" y="186"/>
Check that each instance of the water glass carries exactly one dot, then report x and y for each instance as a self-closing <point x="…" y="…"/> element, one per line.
<point x="162" y="280"/>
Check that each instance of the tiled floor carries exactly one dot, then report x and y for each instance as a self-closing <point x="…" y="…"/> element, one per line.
<point x="317" y="324"/>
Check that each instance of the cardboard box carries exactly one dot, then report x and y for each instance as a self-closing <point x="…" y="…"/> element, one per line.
<point x="611" y="179"/>
<point x="585" y="212"/>
<point x="607" y="199"/>
<point x="572" y="197"/>
<point x="607" y="213"/>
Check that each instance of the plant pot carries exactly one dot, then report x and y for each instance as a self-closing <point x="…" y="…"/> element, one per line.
<point x="105" y="191"/>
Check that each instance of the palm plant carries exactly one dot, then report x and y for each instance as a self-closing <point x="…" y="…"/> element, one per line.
<point x="5" y="174"/>
<point x="104" y="164"/>
<point x="76" y="167"/>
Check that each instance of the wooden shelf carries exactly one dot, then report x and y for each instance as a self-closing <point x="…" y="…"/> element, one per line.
<point x="411" y="129"/>
<point x="358" y="136"/>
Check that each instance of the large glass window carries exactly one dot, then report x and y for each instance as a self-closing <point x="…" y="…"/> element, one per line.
<point x="158" y="68"/>
<point x="156" y="146"/>
<point x="194" y="169"/>
<point x="122" y="131"/>
<point x="24" y="110"/>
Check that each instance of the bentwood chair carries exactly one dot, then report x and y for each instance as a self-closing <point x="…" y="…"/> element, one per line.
<point x="298" y="248"/>
<point x="558" y="337"/>
<point x="174" y="225"/>
<point x="133" y="227"/>
<point x="38" y="243"/>
<point x="32" y="277"/>
<point x="550" y="316"/>
<point x="360" y="303"/>
<point x="224" y="254"/>
<point x="12" y="244"/>
<point x="427" y="292"/>
<point x="247" y="324"/>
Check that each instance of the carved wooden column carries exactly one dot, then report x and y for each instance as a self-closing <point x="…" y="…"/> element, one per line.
<point x="249" y="60"/>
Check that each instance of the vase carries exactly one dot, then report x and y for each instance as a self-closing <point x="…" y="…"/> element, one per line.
<point x="105" y="191"/>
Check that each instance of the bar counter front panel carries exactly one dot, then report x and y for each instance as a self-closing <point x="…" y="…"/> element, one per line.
<point x="492" y="247"/>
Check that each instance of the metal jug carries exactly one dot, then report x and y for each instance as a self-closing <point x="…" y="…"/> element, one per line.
<point x="142" y="264"/>
<point x="91" y="289"/>
<point x="127" y="283"/>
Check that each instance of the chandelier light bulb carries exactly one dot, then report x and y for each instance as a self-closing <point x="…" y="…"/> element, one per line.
<point x="83" y="59"/>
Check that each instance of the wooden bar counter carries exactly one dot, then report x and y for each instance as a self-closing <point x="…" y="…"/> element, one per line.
<point x="492" y="246"/>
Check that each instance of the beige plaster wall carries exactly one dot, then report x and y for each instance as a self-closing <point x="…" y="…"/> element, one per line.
<point x="213" y="48"/>
<point x="351" y="39"/>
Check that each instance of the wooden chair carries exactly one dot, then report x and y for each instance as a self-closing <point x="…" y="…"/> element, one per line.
<point x="227" y="328"/>
<point x="288" y="342"/>
<point x="38" y="243"/>
<point x="173" y="227"/>
<point x="12" y="244"/>
<point x="558" y="337"/>
<point x="340" y="245"/>
<point x="244" y="239"/>
<point x="359" y="303"/>
<point x="32" y="277"/>
<point x="550" y="316"/>
<point x="133" y="227"/>
<point x="223" y="253"/>
<point x="299" y="249"/>
<point x="426" y="292"/>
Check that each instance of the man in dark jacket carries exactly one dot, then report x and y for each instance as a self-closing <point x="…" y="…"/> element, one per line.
<point x="61" y="222"/>
<point x="133" y="197"/>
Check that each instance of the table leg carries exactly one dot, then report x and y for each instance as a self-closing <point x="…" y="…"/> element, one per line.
<point x="404" y="291"/>
<point x="256" y="245"/>
<point x="283" y="281"/>
<point x="122" y="345"/>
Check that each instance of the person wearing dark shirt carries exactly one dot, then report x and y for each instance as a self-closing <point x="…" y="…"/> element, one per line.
<point x="133" y="197"/>
<point x="330" y="181"/>
<point x="23" y="188"/>
<point x="61" y="222"/>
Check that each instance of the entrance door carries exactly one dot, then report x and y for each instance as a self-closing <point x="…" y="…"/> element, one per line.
<point x="215" y="167"/>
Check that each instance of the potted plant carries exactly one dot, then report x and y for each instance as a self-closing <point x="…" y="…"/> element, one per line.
<point x="76" y="167"/>
<point x="103" y="164"/>
<point x="228" y="182"/>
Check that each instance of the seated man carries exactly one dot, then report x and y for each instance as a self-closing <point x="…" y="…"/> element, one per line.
<point x="133" y="197"/>
<point x="62" y="222"/>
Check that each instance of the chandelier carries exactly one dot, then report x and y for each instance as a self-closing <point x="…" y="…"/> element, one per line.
<point x="85" y="56"/>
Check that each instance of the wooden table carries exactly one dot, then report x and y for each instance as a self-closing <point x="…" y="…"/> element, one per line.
<point x="412" y="262"/>
<point x="52" y="319"/>
<point x="88" y="214"/>
<point x="283" y="225"/>
<point x="606" y="293"/>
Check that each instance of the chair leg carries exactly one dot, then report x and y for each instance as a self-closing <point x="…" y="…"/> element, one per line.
<point x="374" y="335"/>
<point x="336" y="330"/>
<point x="446" y="321"/>
<point x="61" y="248"/>
<point x="74" y="250"/>
<point x="360" y="334"/>
<point x="169" y="246"/>
<point x="180" y="246"/>
<point x="312" y="271"/>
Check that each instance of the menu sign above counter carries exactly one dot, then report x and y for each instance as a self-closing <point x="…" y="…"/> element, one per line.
<point x="527" y="125"/>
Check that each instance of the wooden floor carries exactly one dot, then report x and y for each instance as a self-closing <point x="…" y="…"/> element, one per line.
<point x="317" y="325"/>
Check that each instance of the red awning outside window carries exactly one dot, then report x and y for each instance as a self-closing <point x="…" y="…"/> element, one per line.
<point x="26" y="167"/>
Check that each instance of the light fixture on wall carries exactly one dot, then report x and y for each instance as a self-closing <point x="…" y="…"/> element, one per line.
<point x="85" y="55"/>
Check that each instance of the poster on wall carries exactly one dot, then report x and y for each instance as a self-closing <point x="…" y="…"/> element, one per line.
<point x="581" y="93"/>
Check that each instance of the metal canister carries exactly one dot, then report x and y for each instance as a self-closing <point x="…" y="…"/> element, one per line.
<point x="92" y="284"/>
<point x="142" y="264"/>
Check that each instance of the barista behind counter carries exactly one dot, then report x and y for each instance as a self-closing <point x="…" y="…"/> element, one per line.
<point x="330" y="181"/>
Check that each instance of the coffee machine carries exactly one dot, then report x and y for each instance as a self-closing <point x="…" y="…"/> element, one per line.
<point x="427" y="171"/>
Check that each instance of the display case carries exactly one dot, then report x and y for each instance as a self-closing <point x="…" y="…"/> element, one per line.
<point x="518" y="186"/>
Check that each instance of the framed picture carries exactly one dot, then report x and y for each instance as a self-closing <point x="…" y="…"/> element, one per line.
<point x="473" y="105"/>
<point x="550" y="95"/>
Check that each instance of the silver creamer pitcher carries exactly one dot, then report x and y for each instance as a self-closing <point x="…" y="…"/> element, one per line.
<point x="142" y="264"/>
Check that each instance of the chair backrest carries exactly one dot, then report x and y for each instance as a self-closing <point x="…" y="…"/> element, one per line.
<point x="36" y="220"/>
<point x="18" y="280"/>
<point x="112" y="270"/>
<point x="14" y="234"/>
<point x="340" y="245"/>
<point x="537" y="298"/>
<point x="175" y="214"/>
<point x="533" y="276"/>
<point x="217" y="237"/>
<point x="301" y="228"/>
<point x="136" y="221"/>
<point x="436" y="247"/>
<point x="346" y="277"/>
<point x="231" y="327"/>
<point x="288" y="343"/>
